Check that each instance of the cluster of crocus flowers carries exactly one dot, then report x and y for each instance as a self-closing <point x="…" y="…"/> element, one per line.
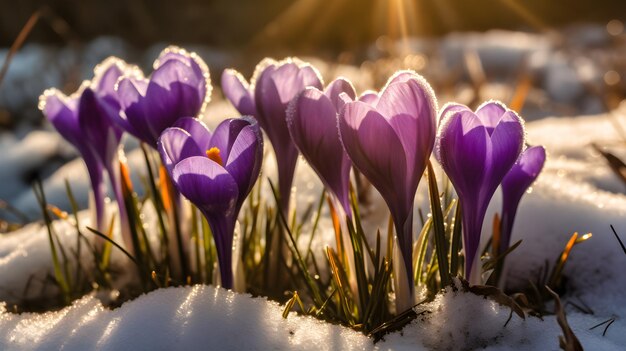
<point x="216" y="172"/>
<point x="477" y="150"/>
<point x="84" y="119"/>
<point x="388" y="136"/>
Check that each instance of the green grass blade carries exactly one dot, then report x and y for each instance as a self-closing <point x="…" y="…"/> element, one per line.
<point x="455" y="247"/>
<point x="58" y="272"/>
<point x="439" y="227"/>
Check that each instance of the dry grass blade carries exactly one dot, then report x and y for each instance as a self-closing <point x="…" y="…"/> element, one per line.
<point x="618" y="239"/>
<point x="19" y="41"/>
<point x="521" y="92"/>
<point x="555" y="277"/>
<point x="617" y="166"/>
<point x="492" y="263"/>
<point x="22" y="217"/>
<point x="608" y="323"/>
<point x="568" y="341"/>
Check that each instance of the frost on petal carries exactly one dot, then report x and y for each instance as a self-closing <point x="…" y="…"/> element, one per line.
<point x="401" y="77"/>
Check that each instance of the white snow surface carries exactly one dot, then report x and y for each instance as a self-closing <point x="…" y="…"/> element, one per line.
<point x="576" y="192"/>
<point x="193" y="318"/>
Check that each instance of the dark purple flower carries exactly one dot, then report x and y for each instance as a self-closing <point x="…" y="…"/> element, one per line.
<point x="389" y="142"/>
<point x="519" y="178"/>
<point x="312" y="122"/>
<point x="476" y="150"/>
<point x="180" y="86"/>
<point x="274" y="85"/>
<point x="216" y="172"/>
<point x="84" y="120"/>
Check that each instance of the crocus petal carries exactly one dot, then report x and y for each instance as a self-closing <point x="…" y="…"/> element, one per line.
<point x="452" y="107"/>
<point x="375" y="149"/>
<point x="130" y="91"/>
<point x="206" y="184"/>
<point x="226" y="133"/>
<point x="176" y="144"/>
<point x="106" y="76"/>
<point x="94" y="118"/>
<point x="514" y="185"/>
<point x="238" y="92"/>
<point x="401" y="77"/>
<point x="411" y="109"/>
<point x="369" y="97"/>
<point x="336" y="88"/>
<point x="507" y="141"/>
<point x="464" y="150"/>
<point x="244" y="159"/>
<point x="62" y="112"/>
<point x="199" y="131"/>
<point x="312" y="121"/>
<point x="490" y="113"/>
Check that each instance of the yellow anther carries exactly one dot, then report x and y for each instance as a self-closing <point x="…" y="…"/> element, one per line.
<point x="214" y="154"/>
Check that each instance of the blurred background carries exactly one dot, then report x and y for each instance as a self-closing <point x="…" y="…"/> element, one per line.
<point x="543" y="58"/>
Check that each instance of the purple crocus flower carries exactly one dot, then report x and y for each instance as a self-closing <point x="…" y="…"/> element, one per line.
<point x="84" y="120"/>
<point x="216" y="172"/>
<point x="312" y="122"/>
<point x="389" y="141"/>
<point x="180" y="86"/>
<point x="476" y="150"/>
<point x="514" y="185"/>
<point x="274" y="85"/>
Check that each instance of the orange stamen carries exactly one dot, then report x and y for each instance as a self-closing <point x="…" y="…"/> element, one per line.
<point x="214" y="154"/>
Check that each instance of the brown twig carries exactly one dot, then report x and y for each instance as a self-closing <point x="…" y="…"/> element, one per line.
<point x="19" y="41"/>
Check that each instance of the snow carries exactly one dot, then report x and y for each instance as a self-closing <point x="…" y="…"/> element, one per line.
<point x="192" y="318"/>
<point x="576" y="192"/>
